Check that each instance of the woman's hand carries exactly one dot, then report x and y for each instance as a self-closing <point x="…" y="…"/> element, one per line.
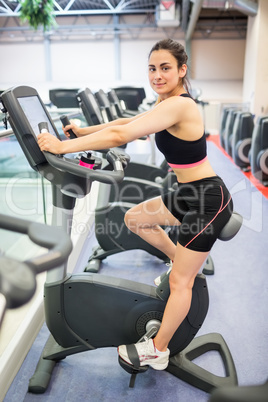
<point x="73" y="127"/>
<point x="48" y="142"/>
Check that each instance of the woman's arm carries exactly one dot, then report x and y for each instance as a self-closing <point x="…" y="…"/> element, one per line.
<point x="166" y="114"/>
<point x="81" y="131"/>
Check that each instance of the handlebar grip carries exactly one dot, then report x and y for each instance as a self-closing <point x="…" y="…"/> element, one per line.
<point x="17" y="278"/>
<point x="43" y="127"/>
<point x="115" y="160"/>
<point x="55" y="239"/>
<point x="118" y="161"/>
<point x="65" y="122"/>
<point x="51" y="237"/>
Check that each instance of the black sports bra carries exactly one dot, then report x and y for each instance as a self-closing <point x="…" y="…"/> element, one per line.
<point x="181" y="153"/>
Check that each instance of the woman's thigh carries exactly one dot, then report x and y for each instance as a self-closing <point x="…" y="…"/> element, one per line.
<point x="186" y="266"/>
<point x="151" y="212"/>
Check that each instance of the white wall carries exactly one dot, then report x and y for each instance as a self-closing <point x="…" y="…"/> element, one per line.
<point x="221" y="60"/>
<point x="20" y="63"/>
<point x="83" y="62"/>
<point x="134" y="59"/>
<point x="217" y="65"/>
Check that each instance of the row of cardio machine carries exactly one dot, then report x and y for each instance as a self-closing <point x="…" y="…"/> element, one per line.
<point x="116" y="102"/>
<point x="245" y="138"/>
<point x="131" y="309"/>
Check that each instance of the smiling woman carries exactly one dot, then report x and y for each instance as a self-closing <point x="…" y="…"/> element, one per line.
<point x="176" y="59"/>
<point x="202" y="203"/>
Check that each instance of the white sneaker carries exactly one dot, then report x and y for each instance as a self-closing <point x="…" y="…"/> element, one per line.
<point x="159" y="279"/>
<point x="147" y="354"/>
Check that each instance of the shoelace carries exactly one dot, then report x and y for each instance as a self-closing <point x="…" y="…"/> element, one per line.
<point x="145" y="348"/>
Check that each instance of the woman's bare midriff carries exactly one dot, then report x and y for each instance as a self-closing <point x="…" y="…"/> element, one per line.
<point x="194" y="173"/>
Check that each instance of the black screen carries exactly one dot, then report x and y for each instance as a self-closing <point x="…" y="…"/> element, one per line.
<point x="35" y="113"/>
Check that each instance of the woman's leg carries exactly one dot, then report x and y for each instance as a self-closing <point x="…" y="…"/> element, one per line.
<point x="155" y="352"/>
<point x="145" y="220"/>
<point x="185" y="267"/>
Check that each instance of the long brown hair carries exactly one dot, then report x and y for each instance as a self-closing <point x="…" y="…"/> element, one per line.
<point x="177" y="51"/>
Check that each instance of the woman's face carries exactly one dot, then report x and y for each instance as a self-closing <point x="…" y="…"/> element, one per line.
<point x="164" y="75"/>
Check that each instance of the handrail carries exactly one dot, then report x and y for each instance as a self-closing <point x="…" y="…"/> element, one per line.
<point x="6" y="133"/>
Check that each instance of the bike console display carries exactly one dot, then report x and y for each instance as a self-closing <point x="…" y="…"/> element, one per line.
<point x="25" y="110"/>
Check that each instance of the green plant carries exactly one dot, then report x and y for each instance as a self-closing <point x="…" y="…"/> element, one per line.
<point x="38" y="12"/>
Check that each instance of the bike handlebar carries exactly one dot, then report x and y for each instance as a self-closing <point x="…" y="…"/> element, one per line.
<point x="117" y="160"/>
<point x="17" y="278"/>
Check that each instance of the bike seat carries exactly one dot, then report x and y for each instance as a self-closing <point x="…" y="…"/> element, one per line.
<point x="232" y="227"/>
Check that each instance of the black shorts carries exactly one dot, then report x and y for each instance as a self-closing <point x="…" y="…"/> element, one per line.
<point x="203" y="207"/>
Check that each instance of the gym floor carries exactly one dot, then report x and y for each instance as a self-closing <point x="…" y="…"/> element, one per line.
<point x="238" y="293"/>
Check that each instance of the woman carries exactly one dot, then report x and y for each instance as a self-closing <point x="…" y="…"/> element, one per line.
<point x="201" y="204"/>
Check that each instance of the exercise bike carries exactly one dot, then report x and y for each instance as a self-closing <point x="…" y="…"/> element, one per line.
<point x="141" y="182"/>
<point x="114" y="311"/>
